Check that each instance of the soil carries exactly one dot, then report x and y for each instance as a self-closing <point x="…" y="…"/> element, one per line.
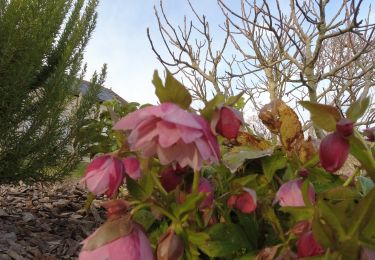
<point x="45" y="221"/>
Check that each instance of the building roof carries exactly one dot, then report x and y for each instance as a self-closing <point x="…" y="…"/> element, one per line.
<point x="105" y="94"/>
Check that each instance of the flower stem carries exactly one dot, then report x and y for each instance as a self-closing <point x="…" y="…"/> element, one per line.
<point x="195" y="186"/>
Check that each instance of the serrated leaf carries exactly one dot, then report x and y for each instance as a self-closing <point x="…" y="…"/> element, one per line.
<point x="323" y="116"/>
<point x="362" y="212"/>
<point x="144" y="217"/>
<point x="211" y="106"/>
<point x="358" y="108"/>
<point x="197" y="238"/>
<point x="329" y="217"/>
<point x="232" y="100"/>
<point x="362" y="153"/>
<point x="173" y="91"/>
<point x="299" y="213"/>
<point x="244" y="181"/>
<point x="191" y="203"/>
<point x="225" y="240"/>
<point x="136" y="190"/>
<point x="273" y="163"/>
<point x="236" y="157"/>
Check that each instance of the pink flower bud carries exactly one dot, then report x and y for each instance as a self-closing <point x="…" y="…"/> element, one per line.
<point x="205" y="186"/>
<point x="170" y="178"/>
<point x="344" y="127"/>
<point x="227" y="122"/>
<point x="133" y="246"/>
<point x="104" y="175"/>
<point x="290" y="194"/>
<point x="307" y="246"/>
<point x="246" y="202"/>
<point x="304" y="173"/>
<point x="333" y="152"/>
<point x="370" y="134"/>
<point x="170" y="246"/>
<point x="132" y="167"/>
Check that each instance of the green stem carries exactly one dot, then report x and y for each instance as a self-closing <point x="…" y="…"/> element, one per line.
<point x="351" y="177"/>
<point x="196" y="178"/>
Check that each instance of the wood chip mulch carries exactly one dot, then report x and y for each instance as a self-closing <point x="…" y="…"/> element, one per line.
<point x="45" y="221"/>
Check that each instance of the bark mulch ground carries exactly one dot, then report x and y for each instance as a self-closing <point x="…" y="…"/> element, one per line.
<point x="45" y="221"/>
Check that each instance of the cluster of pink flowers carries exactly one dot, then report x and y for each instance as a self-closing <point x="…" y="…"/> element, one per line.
<point x="180" y="139"/>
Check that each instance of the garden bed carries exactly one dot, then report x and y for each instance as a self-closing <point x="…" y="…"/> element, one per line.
<point x="45" y="221"/>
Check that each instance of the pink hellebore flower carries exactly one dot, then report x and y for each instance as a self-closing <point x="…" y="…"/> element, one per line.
<point x="333" y="152"/>
<point x="307" y="246"/>
<point x="172" y="133"/>
<point x="290" y="194"/>
<point x="246" y="202"/>
<point x="133" y="246"/>
<point x="104" y="175"/>
<point x="227" y="122"/>
<point x="132" y="167"/>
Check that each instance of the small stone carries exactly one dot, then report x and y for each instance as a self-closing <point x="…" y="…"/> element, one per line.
<point x="3" y="213"/>
<point x="27" y="216"/>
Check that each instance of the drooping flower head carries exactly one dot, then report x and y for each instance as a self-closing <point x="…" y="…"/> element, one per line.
<point x="227" y="122"/>
<point x="290" y="194"/>
<point x="133" y="246"/>
<point x="246" y="202"/>
<point x="333" y="152"/>
<point x="104" y="175"/>
<point x="172" y="133"/>
<point x="119" y="238"/>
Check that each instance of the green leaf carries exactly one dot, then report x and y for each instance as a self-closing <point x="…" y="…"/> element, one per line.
<point x="232" y="100"/>
<point x="250" y="226"/>
<point x="322" y="180"/>
<point x="209" y="109"/>
<point x="358" y="108"/>
<point x="362" y="212"/>
<point x="225" y="240"/>
<point x="299" y="213"/>
<point x="244" y="181"/>
<point x="173" y="91"/>
<point x="136" y="190"/>
<point x="197" y="238"/>
<point x="191" y="203"/>
<point x="328" y="216"/>
<point x="360" y="150"/>
<point x="236" y="157"/>
<point x="273" y="163"/>
<point x="323" y="116"/>
<point x="144" y="217"/>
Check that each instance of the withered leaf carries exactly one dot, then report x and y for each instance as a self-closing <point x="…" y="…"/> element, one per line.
<point x="281" y="120"/>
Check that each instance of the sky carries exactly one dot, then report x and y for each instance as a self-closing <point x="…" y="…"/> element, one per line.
<point x="120" y="40"/>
